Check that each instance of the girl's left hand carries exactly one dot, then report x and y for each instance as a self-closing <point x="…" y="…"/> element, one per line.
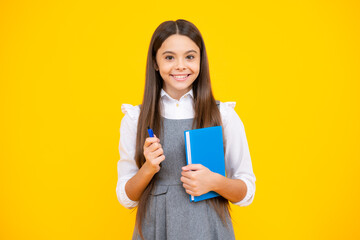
<point x="198" y="181"/>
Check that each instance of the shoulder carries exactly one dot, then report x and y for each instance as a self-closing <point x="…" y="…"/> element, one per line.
<point x="228" y="113"/>
<point x="130" y="111"/>
<point x="130" y="120"/>
<point x="226" y="108"/>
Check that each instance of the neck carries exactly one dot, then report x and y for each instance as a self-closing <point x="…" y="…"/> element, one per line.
<point x="178" y="94"/>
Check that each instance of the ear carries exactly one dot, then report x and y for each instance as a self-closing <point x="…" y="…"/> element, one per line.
<point x="156" y="66"/>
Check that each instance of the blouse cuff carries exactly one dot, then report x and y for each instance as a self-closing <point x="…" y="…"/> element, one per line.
<point x="249" y="194"/>
<point x="122" y="196"/>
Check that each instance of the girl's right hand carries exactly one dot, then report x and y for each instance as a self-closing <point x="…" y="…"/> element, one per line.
<point x="154" y="154"/>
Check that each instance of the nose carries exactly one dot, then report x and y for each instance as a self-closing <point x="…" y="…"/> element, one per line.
<point x="180" y="65"/>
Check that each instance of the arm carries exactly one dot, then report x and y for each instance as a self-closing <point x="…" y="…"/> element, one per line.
<point x="239" y="185"/>
<point x="126" y="166"/>
<point x="131" y="180"/>
<point x="153" y="153"/>
<point x="232" y="189"/>
<point x="237" y="159"/>
<point x="198" y="179"/>
<point x="137" y="184"/>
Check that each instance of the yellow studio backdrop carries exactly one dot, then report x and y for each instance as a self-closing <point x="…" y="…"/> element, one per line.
<point x="66" y="67"/>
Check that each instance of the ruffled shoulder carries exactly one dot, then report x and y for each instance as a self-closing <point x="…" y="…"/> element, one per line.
<point x="226" y="106"/>
<point x="230" y="104"/>
<point x="226" y="109"/>
<point x="132" y="111"/>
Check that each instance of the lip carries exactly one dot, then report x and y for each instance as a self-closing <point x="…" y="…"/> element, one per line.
<point x="180" y="80"/>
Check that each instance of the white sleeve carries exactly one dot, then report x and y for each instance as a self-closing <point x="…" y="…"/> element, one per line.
<point x="237" y="155"/>
<point x="126" y="166"/>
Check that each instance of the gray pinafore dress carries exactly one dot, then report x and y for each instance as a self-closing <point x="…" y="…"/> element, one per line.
<point x="170" y="214"/>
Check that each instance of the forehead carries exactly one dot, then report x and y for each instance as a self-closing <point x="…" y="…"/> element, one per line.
<point x="178" y="43"/>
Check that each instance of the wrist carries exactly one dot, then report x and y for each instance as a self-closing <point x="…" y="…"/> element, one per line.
<point x="217" y="182"/>
<point x="148" y="170"/>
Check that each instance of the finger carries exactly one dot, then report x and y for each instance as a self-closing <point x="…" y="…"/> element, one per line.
<point x="159" y="159"/>
<point x="186" y="181"/>
<point x="193" y="167"/>
<point x="190" y="192"/>
<point x="188" y="174"/>
<point x="157" y="153"/>
<point x="156" y="138"/>
<point x="149" y="141"/>
<point x="188" y="187"/>
<point x="148" y="151"/>
<point x="154" y="146"/>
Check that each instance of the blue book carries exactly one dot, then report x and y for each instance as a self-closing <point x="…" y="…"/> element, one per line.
<point x="205" y="146"/>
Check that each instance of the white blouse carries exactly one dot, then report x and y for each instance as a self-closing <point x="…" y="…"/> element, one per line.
<point x="237" y="158"/>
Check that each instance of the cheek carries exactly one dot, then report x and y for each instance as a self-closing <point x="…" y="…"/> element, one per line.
<point x="165" y="68"/>
<point x="195" y="67"/>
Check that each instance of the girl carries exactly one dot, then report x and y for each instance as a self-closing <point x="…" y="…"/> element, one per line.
<point x="153" y="174"/>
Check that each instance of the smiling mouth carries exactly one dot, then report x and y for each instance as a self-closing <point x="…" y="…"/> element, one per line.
<point x="180" y="77"/>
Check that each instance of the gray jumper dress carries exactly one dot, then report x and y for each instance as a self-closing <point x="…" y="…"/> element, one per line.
<point x="170" y="214"/>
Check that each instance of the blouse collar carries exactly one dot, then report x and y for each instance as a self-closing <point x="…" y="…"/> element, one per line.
<point x="163" y="93"/>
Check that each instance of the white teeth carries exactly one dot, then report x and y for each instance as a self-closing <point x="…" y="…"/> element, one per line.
<point x="180" y="77"/>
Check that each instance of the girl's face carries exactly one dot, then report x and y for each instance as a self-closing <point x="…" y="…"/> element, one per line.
<point x="178" y="61"/>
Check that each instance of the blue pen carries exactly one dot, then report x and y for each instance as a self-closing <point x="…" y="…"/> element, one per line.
<point x="151" y="134"/>
<point x="150" y="131"/>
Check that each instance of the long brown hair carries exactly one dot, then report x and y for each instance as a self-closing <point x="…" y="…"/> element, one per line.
<point x="207" y="113"/>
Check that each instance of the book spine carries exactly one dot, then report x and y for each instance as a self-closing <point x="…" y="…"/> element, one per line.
<point x="189" y="153"/>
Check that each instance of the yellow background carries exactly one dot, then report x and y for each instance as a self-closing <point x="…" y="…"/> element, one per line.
<point x="67" y="66"/>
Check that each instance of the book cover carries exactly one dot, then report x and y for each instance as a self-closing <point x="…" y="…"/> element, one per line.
<point x="205" y="146"/>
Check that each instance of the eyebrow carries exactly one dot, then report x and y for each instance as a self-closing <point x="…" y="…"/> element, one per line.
<point x="174" y="53"/>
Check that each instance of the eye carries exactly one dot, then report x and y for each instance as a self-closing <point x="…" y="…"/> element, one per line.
<point x="167" y="57"/>
<point x="191" y="56"/>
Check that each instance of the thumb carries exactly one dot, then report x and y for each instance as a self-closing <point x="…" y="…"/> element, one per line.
<point x="157" y="138"/>
<point x="192" y="167"/>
